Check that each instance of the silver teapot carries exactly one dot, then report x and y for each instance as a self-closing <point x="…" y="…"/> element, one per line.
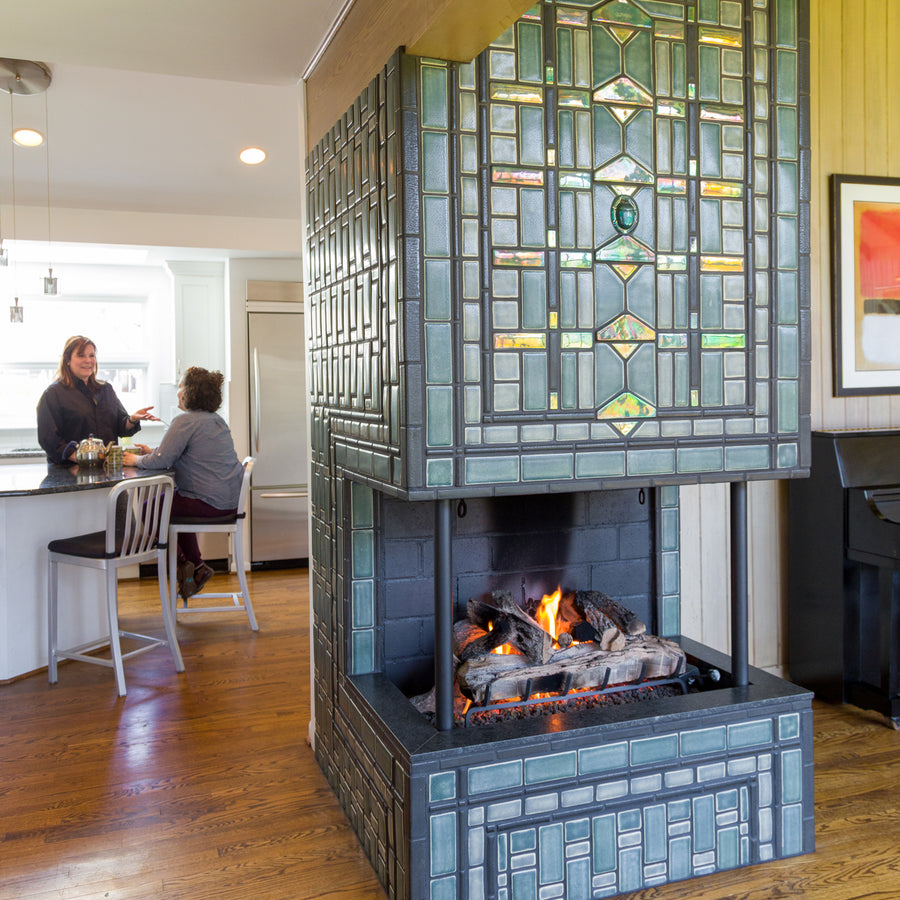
<point x="91" y="451"/>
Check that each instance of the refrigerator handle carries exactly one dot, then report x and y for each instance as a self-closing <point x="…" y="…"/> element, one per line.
<point x="256" y="399"/>
<point x="283" y="495"/>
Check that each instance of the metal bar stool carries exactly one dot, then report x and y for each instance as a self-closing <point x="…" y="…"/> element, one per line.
<point x="233" y="526"/>
<point x="140" y="538"/>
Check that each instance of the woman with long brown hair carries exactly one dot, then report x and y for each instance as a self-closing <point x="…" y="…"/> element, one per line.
<point x="78" y="405"/>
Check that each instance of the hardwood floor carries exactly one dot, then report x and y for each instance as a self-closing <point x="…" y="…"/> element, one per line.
<point x="201" y="785"/>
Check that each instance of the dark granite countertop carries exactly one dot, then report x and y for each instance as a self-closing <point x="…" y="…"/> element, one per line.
<point x="23" y="479"/>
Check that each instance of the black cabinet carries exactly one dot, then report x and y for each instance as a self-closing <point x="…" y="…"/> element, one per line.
<point x="844" y="608"/>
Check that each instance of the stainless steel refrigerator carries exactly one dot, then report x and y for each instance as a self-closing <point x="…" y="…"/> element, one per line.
<point x="279" y="494"/>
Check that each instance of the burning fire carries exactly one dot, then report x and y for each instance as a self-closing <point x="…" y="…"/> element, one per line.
<point x="545" y="617"/>
<point x="546" y="612"/>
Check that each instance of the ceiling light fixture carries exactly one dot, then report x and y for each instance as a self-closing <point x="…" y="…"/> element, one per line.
<point x="28" y="137"/>
<point x="22" y="77"/>
<point x="252" y="156"/>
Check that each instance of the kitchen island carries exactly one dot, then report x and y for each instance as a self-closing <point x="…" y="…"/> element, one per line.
<point x="40" y="503"/>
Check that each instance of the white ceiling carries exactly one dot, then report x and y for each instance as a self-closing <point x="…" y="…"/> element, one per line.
<point x="150" y="103"/>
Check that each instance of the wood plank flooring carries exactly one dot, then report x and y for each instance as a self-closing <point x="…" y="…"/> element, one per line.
<point x="202" y="785"/>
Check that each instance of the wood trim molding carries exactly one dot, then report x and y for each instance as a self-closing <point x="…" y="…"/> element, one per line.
<point x="373" y="29"/>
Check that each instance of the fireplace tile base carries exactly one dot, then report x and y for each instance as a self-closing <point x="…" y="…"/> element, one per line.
<point x="586" y="804"/>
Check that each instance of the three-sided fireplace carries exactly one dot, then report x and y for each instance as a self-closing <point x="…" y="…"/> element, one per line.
<point x="547" y="288"/>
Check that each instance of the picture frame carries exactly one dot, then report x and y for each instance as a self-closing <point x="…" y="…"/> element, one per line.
<point x="865" y="284"/>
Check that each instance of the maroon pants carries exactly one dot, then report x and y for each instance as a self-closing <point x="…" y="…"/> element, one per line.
<point x="191" y="507"/>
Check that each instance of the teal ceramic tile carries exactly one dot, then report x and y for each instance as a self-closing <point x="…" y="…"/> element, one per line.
<point x="711" y="299"/>
<point x="492" y="469"/>
<point x="439" y="472"/>
<point x="708" y="81"/>
<point x="534" y="227"/>
<point x="506" y="366"/>
<point x="362" y="646"/>
<point x="603" y="833"/>
<point x="504" y="201"/>
<point x="534" y="300"/>
<point x="788" y="456"/>
<point x="728" y="848"/>
<point x="568" y="394"/>
<point x="551" y="853"/>
<point x="534" y="374"/>
<point x="704" y="824"/>
<point x="436" y="222"/>
<point x="548" y="467"/>
<point x="439" y="407"/>
<point x="506" y="397"/>
<point x="711" y="379"/>
<point x="434" y="97"/>
<point x="437" y="289"/>
<point x="564" y="57"/>
<point x="788" y="351"/>
<point x="792" y="830"/>
<point x="471" y="322"/>
<point x="472" y="363"/>
<point x="505" y="282"/>
<point x="600" y="464"/>
<point x="786" y="132"/>
<point x="531" y="65"/>
<point x="442" y="843"/>
<point x="788" y="303"/>
<point x="550" y="768"/>
<point x="499" y="812"/>
<point x="786" y="23"/>
<point x="504" y="232"/>
<point x="523" y="840"/>
<point x="700" y="459"/>
<point x="435" y="162"/>
<point x="441" y="786"/>
<point x="502" y="64"/>
<point x="670" y="573"/>
<point x="473" y="437"/>
<point x="611" y="790"/>
<point x="501" y="434"/>
<point x="791" y="776"/>
<point x="468" y="153"/>
<point x="608" y="758"/>
<point x="472" y="397"/>
<point x="710" y="150"/>
<point x="531" y="131"/>
<point x="503" y="118"/>
<point x="750" y="734"/>
<point x="468" y="117"/>
<point x="438" y="353"/>
<point x="361" y="505"/>
<point x="788" y="407"/>
<point x="651" y="462"/>
<point x="363" y="604"/>
<point x="654" y="750"/>
<point x="630" y="870"/>
<point x="504" y="150"/>
<point x="655" y="834"/>
<point x="735" y="393"/>
<point x="537" y="434"/>
<point x="746" y="457"/>
<point x="363" y="547"/>
<point x="493" y="777"/>
<point x="505" y="315"/>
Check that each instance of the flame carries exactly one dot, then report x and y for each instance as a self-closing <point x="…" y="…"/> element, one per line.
<point x="503" y="649"/>
<point x="546" y="612"/>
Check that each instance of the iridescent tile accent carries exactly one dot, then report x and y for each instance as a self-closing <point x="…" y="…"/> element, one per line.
<point x="528" y="258"/>
<point x="554" y="399"/>
<point x="622" y="35"/>
<point x="626" y="328"/>
<point x="516" y="93"/>
<point x="720" y="36"/>
<point x="622" y="113"/>
<point x="721" y="264"/>
<point x="624" y="271"/>
<point x="671" y="30"/>
<point x="624" y="350"/>
<point x="671" y="186"/>
<point x="624" y="428"/>
<point x="520" y="341"/>
<point x="568" y="16"/>
<point x="667" y="262"/>
<point x="715" y="112"/>
<point x="576" y="340"/>
<point x="718" y="341"/>
<point x="574" y="180"/>
<point x="615" y="12"/>
<point x="501" y="175"/>
<point x="721" y="189"/>
<point x="624" y="169"/>
<point x="576" y="99"/>
<point x="623" y="90"/>
<point x="672" y="341"/>
<point x="626" y="406"/>
<point x="554" y="320"/>
<point x="671" y="108"/>
<point x="695" y="398"/>
<point x="625" y="249"/>
<point x="575" y="260"/>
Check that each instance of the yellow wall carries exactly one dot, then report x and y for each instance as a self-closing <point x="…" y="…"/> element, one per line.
<point x="855" y="130"/>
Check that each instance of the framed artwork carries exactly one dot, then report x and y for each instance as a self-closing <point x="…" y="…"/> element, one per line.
<point x="866" y="284"/>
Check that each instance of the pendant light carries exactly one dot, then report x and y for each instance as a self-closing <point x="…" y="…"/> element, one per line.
<point x="21" y="76"/>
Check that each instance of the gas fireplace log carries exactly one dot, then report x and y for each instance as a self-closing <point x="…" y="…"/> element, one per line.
<point x="524" y="633"/>
<point x="621" y="616"/>
<point x="472" y="641"/>
<point x="573" y="610"/>
<point x="584" y="664"/>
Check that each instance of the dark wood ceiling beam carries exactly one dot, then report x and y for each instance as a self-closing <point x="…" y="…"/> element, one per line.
<point x="373" y="29"/>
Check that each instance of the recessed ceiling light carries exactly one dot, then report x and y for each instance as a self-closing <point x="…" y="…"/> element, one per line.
<point x="28" y="137"/>
<point x="252" y="156"/>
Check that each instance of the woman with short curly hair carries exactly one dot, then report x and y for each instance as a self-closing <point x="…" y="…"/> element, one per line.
<point x="198" y="446"/>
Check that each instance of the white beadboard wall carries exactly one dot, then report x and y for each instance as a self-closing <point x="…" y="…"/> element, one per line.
<point x="855" y="130"/>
